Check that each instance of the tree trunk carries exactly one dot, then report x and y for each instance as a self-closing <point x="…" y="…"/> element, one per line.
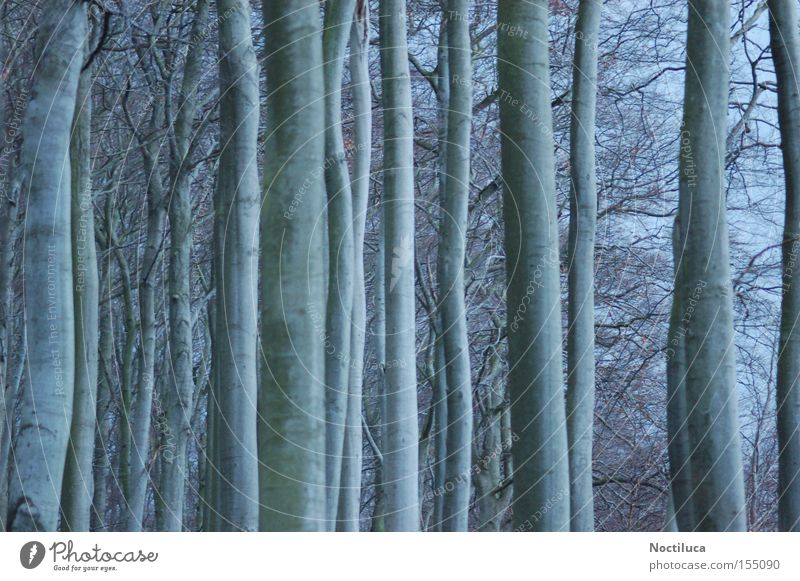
<point x="78" y="487"/>
<point x="440" y="371"/>
<point x="238" y="205"/>
<point x="711" y="396"/>
<point x="452" y="249"/>
<point x="179" y="394"/>
<point x="41" y="446"/>
<point x="785" y="43"/>
<point x="338" y="21"/>
<point x="400" y="442"/>
<point x="681" y="487"/>
<point x="142" y="410"/>
<point x="291" y="433"/>
<point x="541" y="477"/>
<point x="350" y="492"/>
<point x="583" y="216"/>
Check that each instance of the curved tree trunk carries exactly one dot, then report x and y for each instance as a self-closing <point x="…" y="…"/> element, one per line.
<point x="711" y="396"/>
<point x="583" y="216"/>
<point x="400" y="442"/>
<point x="785" y="43"/>
<point x="78" y="488"/>
<point x="541" y="470"/>
<point x="41" y="446"/>
<point x="291" y="433"/>
<point x="237" y="211"/>
<point x="350" y="493"/>
<point x="452" y="249"/>
<point x="338" y="21"/>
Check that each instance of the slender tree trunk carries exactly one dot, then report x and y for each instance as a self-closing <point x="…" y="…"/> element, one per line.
<point x="378" y="523"/>
<point x="541" y="477"/>
<point x="452" y="249"/>
<point x="179" y="394"/>
<point x="350" y="490"/>
<point x="338" y="21"/>
<point x="238" y="204"/>
<point x="711" y="399"/>
<point x="401" y="455"/>
<point x="583" y="215"/>
<point x="102" y="451"/>
<point x="78" y="488"/>
<point x="41" y="446"/>
<point x="440" y="371"/>
<point x="9" y="211"/>
<point x="291" y="433"/>
<point x="785" y="43"/>
<point x="143" y="406"/>
<point x="681" y="487"/>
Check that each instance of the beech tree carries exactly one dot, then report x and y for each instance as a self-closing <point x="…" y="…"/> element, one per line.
<point x="538" y="417"/>
<point x="400" y="443"/>
<point x="291" y="406"/>
<point x="237" y="215"/>
<point x="338" y="360"/>
<point x="455" y="509"/>
<point x="785" y="44"/>
<point x="78" y="487"/>
<point x="41" y="445"/>
<point x="710" y="384"/>
<point x="583" y="217"/>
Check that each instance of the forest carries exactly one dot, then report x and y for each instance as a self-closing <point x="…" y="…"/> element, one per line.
<point x="399" y="265"/>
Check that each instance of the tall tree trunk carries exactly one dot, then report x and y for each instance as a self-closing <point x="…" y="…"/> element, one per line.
<point x="291" y="434"/>
<point x="179" y="393"/>
<point x="378" y="523"/>
<point x="711" y="398"/>
<point x="9" y="211"/>
<point x="102" y="450"/>
<point x="139" y="456"/>
<point x="41" y="446"/>
<point x="785" y="43"/>
<point x="78" y="487"/>
<point x="350" y="490"/>
<point x="681" y="486"/>
<point x="452" y="249"/>
<point x="440" y="371"/>
<point x="400" y="442"/>
<point x="238" y="204"/>
<point x="582" y="219"/>
<point x="338" y="21"/>
<point x="541" y="477"/>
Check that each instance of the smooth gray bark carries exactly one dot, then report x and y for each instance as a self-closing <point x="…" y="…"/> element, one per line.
<point x="78" y="488"/>
<point x="46" y="409"/>
<point x="452" y="250"/>
<point x="440" y="372"/>
<point x="338" y="323"/>
<point x="291" y="433"/>
<point x="236" y="254"/>
<point x="400" y="442"/>
<point x="178" y="396"/>
<point x="541" y="470"/>
<point x="350" y="488"/>
<point x="711" y="396"/>
<point x="785" y="44"/>
<point x="681" y="486"/>
<point x="580" y="260"/>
